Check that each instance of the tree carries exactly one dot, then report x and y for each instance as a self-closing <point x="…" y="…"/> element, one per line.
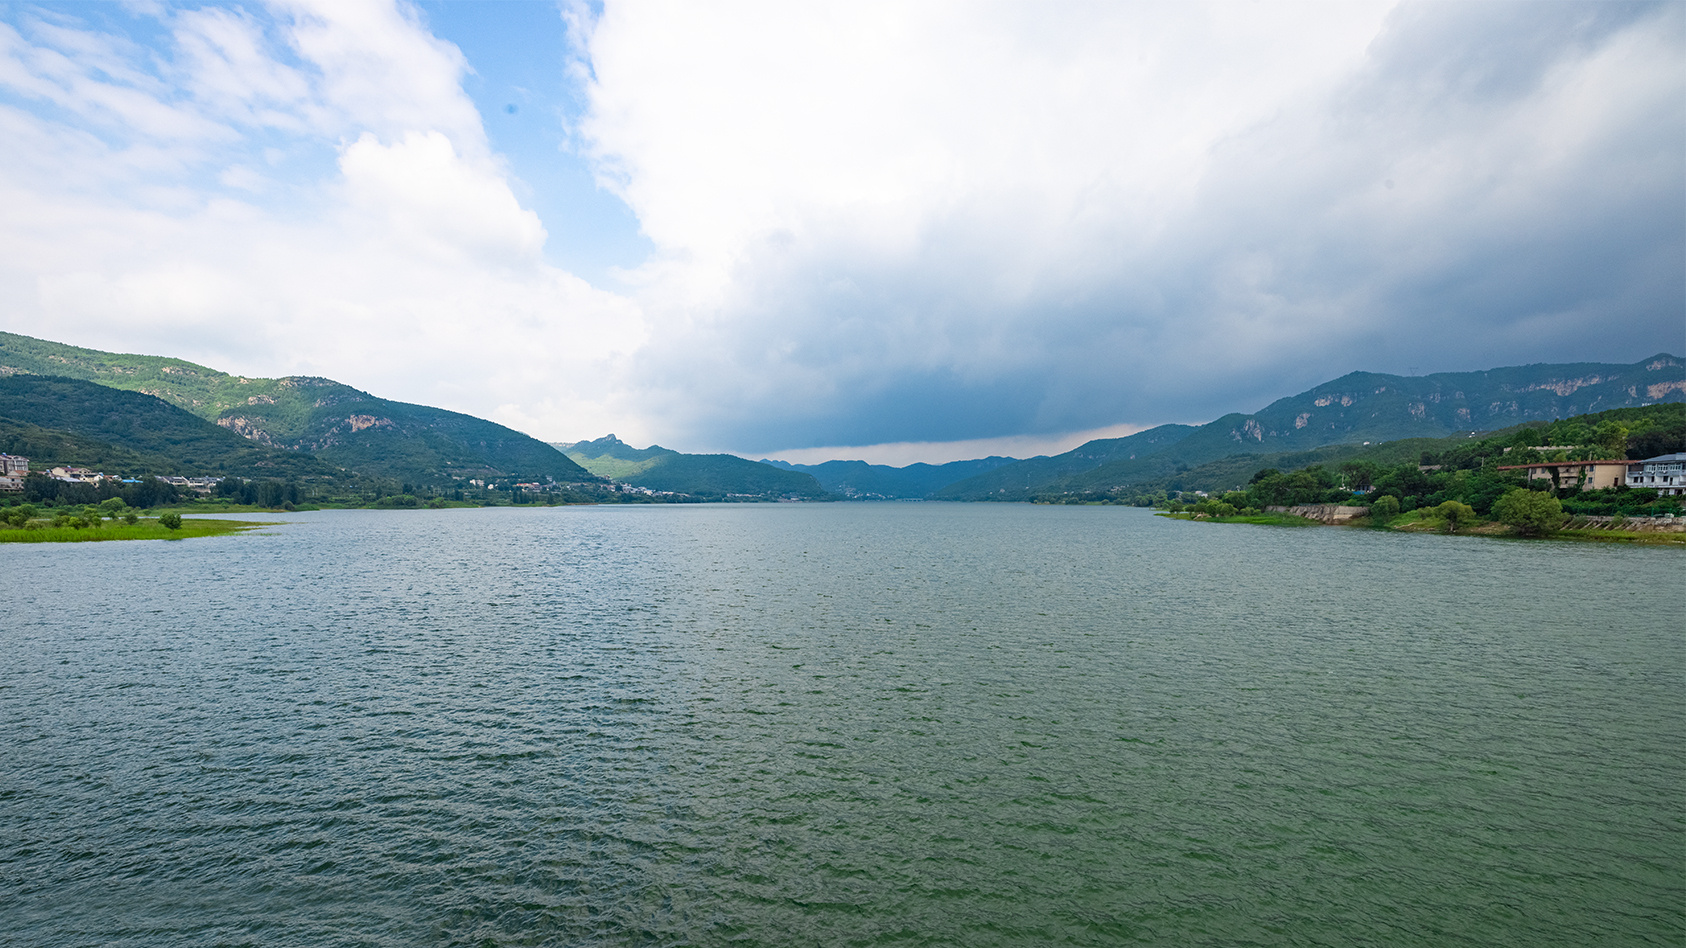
<point x="1611" y="439"/>
<point x="1384" y="508"/>
<point x="1455" y="514"/>
<point x="170" y="521"/>
<point x="1531" y="512"/>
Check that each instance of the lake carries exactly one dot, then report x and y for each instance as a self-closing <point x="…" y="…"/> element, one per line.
<point x="840" y="724"/>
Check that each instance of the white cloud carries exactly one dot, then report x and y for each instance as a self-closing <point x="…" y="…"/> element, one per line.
<point x="306" y="193"/>
<point x="899" y="225"/>
<point x="932" y="221"/>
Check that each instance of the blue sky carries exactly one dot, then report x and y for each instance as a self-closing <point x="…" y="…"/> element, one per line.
<point x="891" y="231"/>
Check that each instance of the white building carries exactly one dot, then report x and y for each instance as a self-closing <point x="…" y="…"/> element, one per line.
<point x="1665" y="474"/>
<point x="13" y="470"/>
<point x="76" y="475"/>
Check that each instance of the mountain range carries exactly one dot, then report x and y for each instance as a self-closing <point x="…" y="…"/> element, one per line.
<point x="163" y="415"/>
<point x="702" y="476"/>
<point x="1357" y="408"/>
<point x="858" y="480"/>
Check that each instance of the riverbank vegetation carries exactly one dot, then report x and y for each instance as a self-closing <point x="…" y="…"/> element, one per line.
<point x="112" y="520"/>
<point x="1462" y="488"/>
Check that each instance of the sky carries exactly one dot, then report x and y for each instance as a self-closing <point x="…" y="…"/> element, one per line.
<point x="888" y="231"/>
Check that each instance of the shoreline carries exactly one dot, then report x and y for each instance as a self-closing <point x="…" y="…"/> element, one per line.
<point x="191" y="528"/>
<point x="1488" y="528"/>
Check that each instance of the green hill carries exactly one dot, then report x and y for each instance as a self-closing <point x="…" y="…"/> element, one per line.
<point x="703" y="476"/>
<point x="1654" y="429"/>
<point x="863" y="481"/>
<point x="1353" y="409"/>
<point x="47" y="448"/>
<point x="343" y="426"/>
<point x="54" y="417"/>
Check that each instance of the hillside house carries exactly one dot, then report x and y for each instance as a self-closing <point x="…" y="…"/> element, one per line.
<point x="1665" y="474"/>
<point x="13" y="470"/>
<point x="76" y="475"/>
<point x="1585" y="475"/>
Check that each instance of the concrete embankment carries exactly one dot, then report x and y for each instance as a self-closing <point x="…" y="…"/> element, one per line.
<point x="1322" y="513"/>
<point x="1628" y="524"/>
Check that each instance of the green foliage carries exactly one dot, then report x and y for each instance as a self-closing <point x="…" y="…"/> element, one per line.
<point x="340" y="425"/>
<point x="1345" y="412"/>
<point x="131" y="518"/>
<point x="170" y="520"/>
<point x="1610" y="438"/>
<point x="62" y="531"/>
<point x="1632" y="502"/>
<point x="144" y="425"/>
<point x="1531" y="512"/>
<point x="1383" y="509"/>
<point x="1455" y="515"/>
<point x="397" y="502"/>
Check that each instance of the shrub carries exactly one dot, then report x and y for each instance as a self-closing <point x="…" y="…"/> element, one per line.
<point x="1455" y="514"/>
<point x="170" y="521"/>
<point x="1384" y="508"/>
<point x="1531" y="512"/>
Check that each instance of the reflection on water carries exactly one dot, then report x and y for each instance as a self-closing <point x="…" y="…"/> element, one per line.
<point x="843" y="724"/>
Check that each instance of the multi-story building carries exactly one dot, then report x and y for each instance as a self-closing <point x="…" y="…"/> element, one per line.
<point x="1665" y="474"/>
<point x="1585" y="475"/>
<point x="13" y="470"/>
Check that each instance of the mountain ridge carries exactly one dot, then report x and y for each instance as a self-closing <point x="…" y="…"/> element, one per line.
<point x="343" y="426"/>
<point x="704" y="476"/>
<point x="1356" y="407"/>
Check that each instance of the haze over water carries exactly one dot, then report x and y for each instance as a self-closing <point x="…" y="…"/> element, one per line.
<point x="840" y="724"/>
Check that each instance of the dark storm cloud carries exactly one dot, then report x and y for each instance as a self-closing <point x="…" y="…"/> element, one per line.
<point x="1489" y="184"/>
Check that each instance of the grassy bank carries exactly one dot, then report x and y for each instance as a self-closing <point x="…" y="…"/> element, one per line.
<point x="143" y="530"/>
<point x="1424" y="521"/>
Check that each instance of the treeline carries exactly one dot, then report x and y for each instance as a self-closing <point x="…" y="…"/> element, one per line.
<point x="38" y="488"/>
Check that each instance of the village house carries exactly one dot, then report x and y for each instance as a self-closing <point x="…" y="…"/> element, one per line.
<point x="13" y="470"/>
<point x="1665" y="474"/>
<point x="76" y="475"/>
<point x="1585" y="475"/>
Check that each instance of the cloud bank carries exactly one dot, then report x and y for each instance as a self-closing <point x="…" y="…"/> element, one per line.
<point x="872" y="222"/>
<point x="298" y="189"/>
<point x="888" y="222"/>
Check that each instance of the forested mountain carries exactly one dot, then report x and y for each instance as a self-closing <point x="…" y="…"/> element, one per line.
<point x="1655" y="429"/>
<point x="702" y="476"/>
<point x="61" y="420"/>
<point x="344" y="427"/>
<point x="863" y="481"/>
<point x="1353" y="409"/>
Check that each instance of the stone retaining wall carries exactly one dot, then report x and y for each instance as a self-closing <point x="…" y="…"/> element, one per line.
<point x="1631" y="524"/>
<point x="1323" y="513"/>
